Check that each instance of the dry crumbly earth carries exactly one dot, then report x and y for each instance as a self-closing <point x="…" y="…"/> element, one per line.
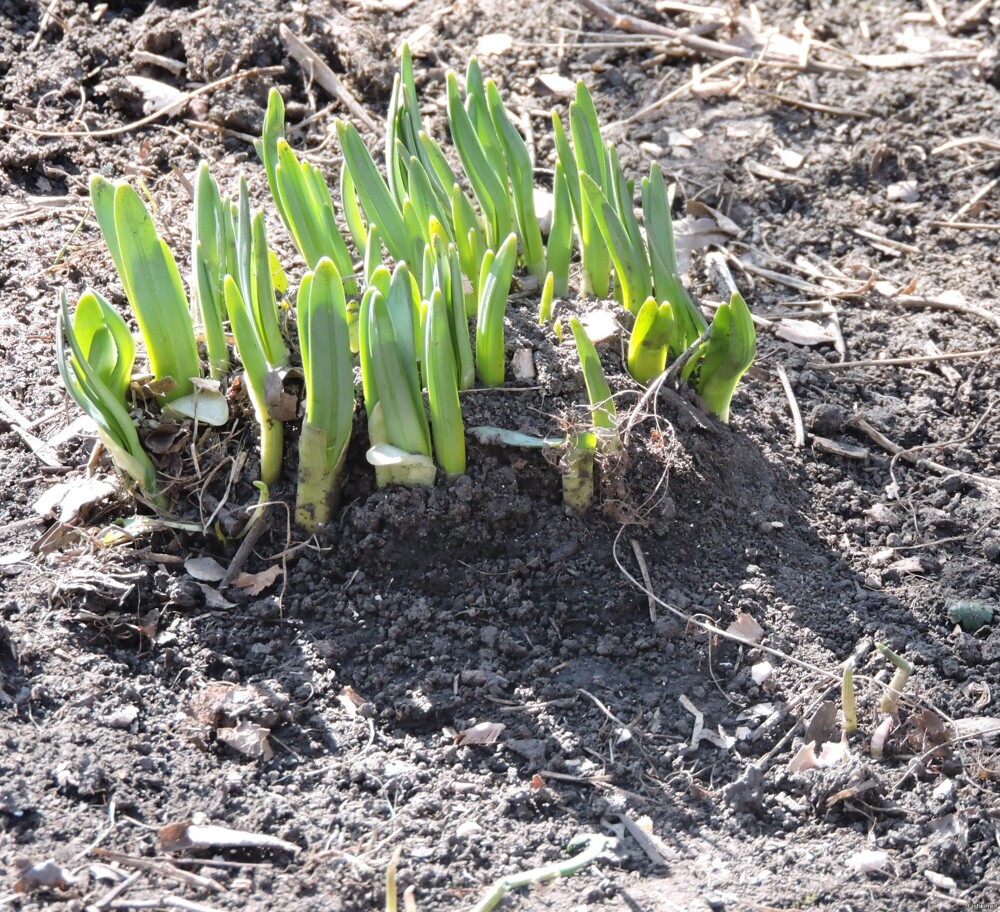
<point x="123" y="681"/>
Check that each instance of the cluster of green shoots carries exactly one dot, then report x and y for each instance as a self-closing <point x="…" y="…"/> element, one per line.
<point x="451" y="257"/>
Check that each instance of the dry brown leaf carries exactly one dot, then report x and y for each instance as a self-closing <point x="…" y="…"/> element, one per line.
<point x="482" y="734"/>
<point x="281" y="406"/>
<point x="256" y="583"/>
<point x="176" y="837"/>
<point x="204" y="569"/>
<point x="247" y="738"/>
<point x="351" y="700"/>
<point x="746" y="628"/>
<point x="157" y="96"/>
<point x="67" y="500"/>
<point x="46" y="874"/>
<point x="554" y="85"/>
<point x="804" y="332"/>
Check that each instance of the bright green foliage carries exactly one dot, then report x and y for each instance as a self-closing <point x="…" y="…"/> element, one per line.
<point x="559" y="249"/>
<point x="329" y="401"/>
<point x="689" y="323"/>
<point x="727" y="355"/>
<point x="602" y="404"/>
<point x="650" y="340"/>
<point x="545" y="305"/>
<point x="522" y="182"/>
<point x="253" y="276"/>
<point x="494" y="284"/>
<point x="255" y="370"/>
<point x="152" y="284"/>
<point x="401" y="232"/>
<point x="96" y="375"/>
<point x="211" y="251"/>
<point x="487" y="171"/>
<point x="442" y="387"/>
<point x="627" y="252"/>
<point x="302" y="197"/>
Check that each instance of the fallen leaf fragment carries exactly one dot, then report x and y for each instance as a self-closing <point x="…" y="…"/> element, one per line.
<point x="761" y="672"/>
<point x="867" y="861"/>
<point x="746" y="628"/>
<point x="903" y="192"/>
<point x="804" y="332"/>
<point x="941" y="881"/>
<point x="599" y="325"/>
<point x="247" y="738"/>
<point x="204" y="569"/>
<point x="256" y="583"/>
<point x="178" y="837"/>
<point x="281" y="405"/>
<point x="976" y="727"/>
<point x="68" y="500"/>
<point x="482" y="734"/>
<point x="553" y="84"/>
<point x="351" y="700"/>
<point x="44" y="874"/>
<point x="493" y="43"/>
<point x="158" y="96"/>
<point x="832" y="753"/>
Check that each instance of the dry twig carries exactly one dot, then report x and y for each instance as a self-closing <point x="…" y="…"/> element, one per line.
<point x="316" y="68"/>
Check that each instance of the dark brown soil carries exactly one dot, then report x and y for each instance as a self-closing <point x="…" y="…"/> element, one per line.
<point x="429" y="611"/>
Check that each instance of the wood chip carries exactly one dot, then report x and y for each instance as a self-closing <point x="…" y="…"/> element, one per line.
<point x="839" y="448"/>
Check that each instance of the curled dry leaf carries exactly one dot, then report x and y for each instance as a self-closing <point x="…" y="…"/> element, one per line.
<point x="204" y="569"/>
<point x="832" y="753"/>
<point x="281" y="405"/>
<point x="68" y="500"/>
<point x="178" y="837"/>
<point x="746" y="628"/>
<point x="484" y="733"/>
<point x="351" y="700"/>
<point x="805" y="332"/>
<point x="256" y="583"/>
<point x="45" y="874"/>
<point x="158" y="96"/>
<point x="867" y="861"/>
<point x="553" y="85"/>
<point x="248" y="739"/>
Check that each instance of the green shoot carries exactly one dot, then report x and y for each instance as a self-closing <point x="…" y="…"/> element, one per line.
<point x="522" y="182"/>
<point x="302" y="198"/>
<point x="591" y="849"/>
<point x="890" y="699"/>
<point x="329" y="401"/>
<point x="628" y="253"/>
<point x="213" y="228"/>
<point x="442" y="388"/>
<point x="377" y="201"/>
<point x="545" y="305"/>
<point x="494" y="283"/>
<point x="559" y="249"/>
<point x="152" y="284"/>
<point x="255" y="371"/>
<point x="650" y="340"/>
<point x="603" y="411"/>
<point x="689" y="323"/>
<point x="487" y="171"/>
<point x="727" y="355"/>
<point x="96" y="375"/>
